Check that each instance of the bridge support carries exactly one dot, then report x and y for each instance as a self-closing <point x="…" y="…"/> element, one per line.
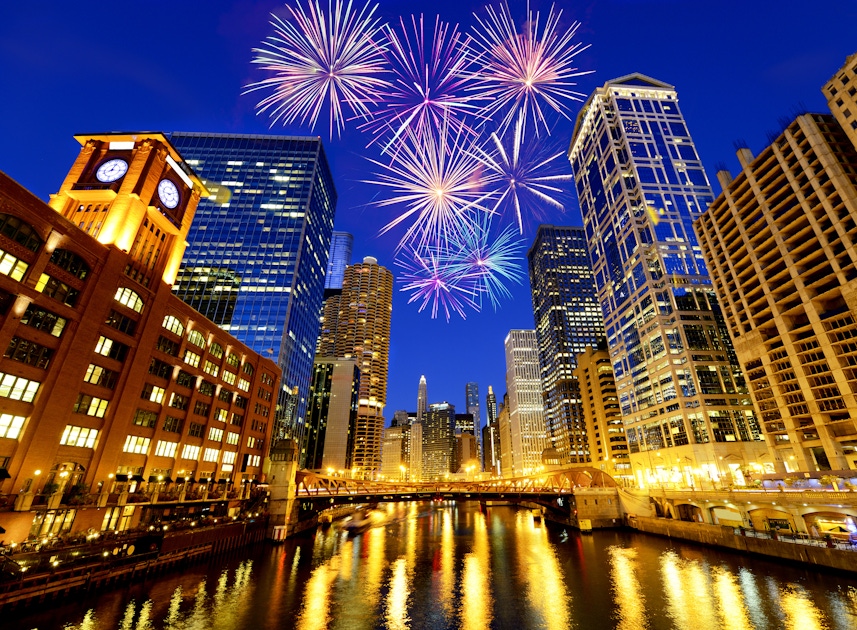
<point x="283" y="488"/>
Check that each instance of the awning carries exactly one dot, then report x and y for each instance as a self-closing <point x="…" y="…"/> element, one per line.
<point x="2" y="531"/>
<point x="138" y="478"/>
<point x="180" y="479"/>
<point x="121" y="477"/>
<point x="152" y="479"/>
<point x="190" y="480"/>
<point x="4" y="474"/>
<point x="167" y="480"/>
<point x="224" y="481"/>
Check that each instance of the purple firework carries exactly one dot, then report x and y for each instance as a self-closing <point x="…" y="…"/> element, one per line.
<point x="521" y="71"/>
<point x="430" y="282"/>
<point x="334" y="57"/>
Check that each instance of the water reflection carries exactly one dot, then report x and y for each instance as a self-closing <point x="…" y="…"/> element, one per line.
<point x="476" y="599"/>
<point x="629" y="598"/>
<point x="799" y="612"/>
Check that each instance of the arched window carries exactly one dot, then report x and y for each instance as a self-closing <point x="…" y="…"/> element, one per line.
<point x="71" y="262"/>
<point x="128" y="298"/>
<point x="248" y="369"/>
<point x="215" y="350"/>
<point x="195" y="337"/>
<point x="19" y="231"/>
<point x="233" y="360"/>
<point x="174" y="325"/>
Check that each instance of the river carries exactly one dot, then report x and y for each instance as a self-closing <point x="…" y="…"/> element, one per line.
<point x="453" y="566"/>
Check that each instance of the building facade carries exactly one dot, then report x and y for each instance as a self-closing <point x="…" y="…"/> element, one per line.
<point x="568" y="320"/>
<point x="328" y="442"/>
<point x="113" y="386"/>
<point x="491" y="436"/>
<point x="341" y="244"/>
<point x="422" y="399"/>
<point x="356" y="325"/>
<point x="258" y="249"/>
<point x="781" y="244"/>
<point x="438" y="427"/>
<point x="524" y="392"/>
<point x="641" y="184"/>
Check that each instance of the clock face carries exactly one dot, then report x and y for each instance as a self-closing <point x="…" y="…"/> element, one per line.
<point x="111" y="170"/>
<point x="168" y="193"/>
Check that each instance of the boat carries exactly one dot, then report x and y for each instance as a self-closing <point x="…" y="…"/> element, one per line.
<point x="537" y="515"/>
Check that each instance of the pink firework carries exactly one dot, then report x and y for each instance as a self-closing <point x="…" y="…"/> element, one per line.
<point x="318" y="58"/>
<point x="526" y="70"/>
<point x="430" y="282"/>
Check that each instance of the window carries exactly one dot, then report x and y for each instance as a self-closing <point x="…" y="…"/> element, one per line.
<point x="229" y="457"/>
<point x="41" y="319"/>
<point x="191" y="358"/>
<point x="185" y="380"/>
<point x="211" y="455"/>
<point x="160" y="369"/>
<point x="225" y="395"/>
<point x="166" y="449"/>
<point x="221" y="414"/>
<point x="196" y="338"/>
<point x="229" y="377"/>
<point x="145" y="418"/>
<point x="136" y="444"/>
<point x="12" y="266"/>
<point x="172" y="424"/>
<point x="264" y="394"/>
<point x="70" y="262"/>
<point x="90" y="406"/>
<point x="248" y="369"/>
<point x="79" y="436"/>
<point x="267" y="379"/>
<point x="101" y="376"/>
<point x="237" y="419"/>
<point x="167" y="346"/>
<point x="206" y="388"/>
<point x="211" y="368"/>
<point x="14" y="229"/>
<point x="241" y="402"/>
<point x="196" y="429"/>
<point x="254" y="442"/>
<point x="190" y="452"/>
<point x="111" y="349"/>
<point x="174" y="325"/>
<point x="233" y="360"/>
<point x="29" y="352"/>
<point x="121" y="322"/>
<point x="10" y="426"/>
<point x="127" y="297"/>
<point x="178" y="401"/>
<point x="254" y="460"/>
<point x="215" y="434"/>
<point x="232" y="438"/>
<point x="262" y="410"/>
<point x="17" y="388"/>
<point x="243" y="385"/>
<point x="215" y="350"/>
<point x="53" y="288"/>
<point x="153" y="393"/>
<point x="258" y="425"/>
<point x="201" y="408"/>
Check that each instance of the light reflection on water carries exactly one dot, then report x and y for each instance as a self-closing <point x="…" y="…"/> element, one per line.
<point x="454" y="566"/>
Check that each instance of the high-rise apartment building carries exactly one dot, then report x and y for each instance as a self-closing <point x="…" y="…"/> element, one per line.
<point x="524" y="392"/>
<point x="258" y="249"/>
<point x="504" y="432"/>
<point x="641" y="184"/>
<point x="491" y="436"/>
<point x="604" y="426"/>
<point x="328" y="441"/>
<point x="438" y="440"/>
<point x="422" y="399"/>
<point x="357" y="325"/>
<point x="464" y="423"/>
<point x="568" y="320"/>
<point x="110" y="383"/>
<point x="781" y="244"/>
<point x="341" y="244"/>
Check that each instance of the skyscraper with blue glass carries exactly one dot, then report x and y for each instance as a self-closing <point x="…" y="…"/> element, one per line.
<point x="640" y="182"/>
<point x="258" y="249"/>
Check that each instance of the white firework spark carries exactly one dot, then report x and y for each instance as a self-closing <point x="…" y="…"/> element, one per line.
<point x="334" y="57"/>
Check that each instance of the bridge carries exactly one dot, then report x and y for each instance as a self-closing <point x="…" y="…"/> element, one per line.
<point x="553" y="490"/>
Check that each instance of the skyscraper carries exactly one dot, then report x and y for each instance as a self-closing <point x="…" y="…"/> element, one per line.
<point x="641" y="184"/>
<point x="328" y="441"/>
<point x="568" y="320"/>
<point x="438" y="440"/>
<point x="471" y="394"/>
<point x="341" y="244"/>
<point x="491" y="436"/>
<point x="422" y="398"/>
<point x="780" y="243"/>
<point x="258" y="249"/>
<point x="357" y="325"/>
<point x="524" y="391"/>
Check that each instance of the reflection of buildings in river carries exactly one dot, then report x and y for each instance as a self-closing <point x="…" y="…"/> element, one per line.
<point x="752" y="598"/>
<point x="730" y="600"/>
<point x="799" y="611"/>
<point x="630" y="603"/>
<point x="546" y="591"/>
<point x="446" y="583"/>
<point x="397" y="597"/>
<point x="315" y="613"/>
<point x="372" y="569"/>
<point x="477" y="601"/>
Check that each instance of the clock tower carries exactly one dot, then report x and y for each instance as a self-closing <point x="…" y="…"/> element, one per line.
<point x="134" y="191"/>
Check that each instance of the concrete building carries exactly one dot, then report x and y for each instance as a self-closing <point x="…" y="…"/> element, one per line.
<point x="438" y="427"/>
<point x="357" y="325"/>
<point x="422" y="399"/>
<point x="465" y="458"/>
<point x="781" y="244"/>
<point x="258" y="250"/>
<point x="328" y="442"/>
<point x="491" y="436"/>
<point x="112" y="385"/>
<point x="604" y="427"/>
<point x="568" y="320"/>
<point x="504" y="430"/>
<point x="641" y="184"/>
<point x="524" y="392"/>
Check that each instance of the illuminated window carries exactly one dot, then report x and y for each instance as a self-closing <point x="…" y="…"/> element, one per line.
<point x="190" y="452"/>
<point x="41" y="319"/>
<point x="59" y="291"/>
<point x="127" y="297"/>
<point x="229" y="377"/>
<point x="244" y="385"/>
<point x="233" y="360"/>
<point x="215" y="434"/>
<point x="174" y="325"/>
<point x="232" y="438"/>
<point x="136" y="444"/>
<point x="211" y="368"/>
<point x="90" y="406"/>
<point x="79" y="436"/>
<point x="195" y="337"/>
<point x="211" y="455"/>
<point x="98" y="375"/>
<point x="229" y="457"/>
<point x="166" y="449"/>
<point x="11" y="266"/>
<point x="191" y="358"/>
<point x="10" y="426"/>
<point x="153" y="393"/>
<point x="215" y="350"/>
<point x="18" y="388"/>
<point x="145" y="418"/>
<point x="221" y="415"/>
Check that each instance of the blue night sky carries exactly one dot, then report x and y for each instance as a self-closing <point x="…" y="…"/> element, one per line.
<point x="80" y="67"/>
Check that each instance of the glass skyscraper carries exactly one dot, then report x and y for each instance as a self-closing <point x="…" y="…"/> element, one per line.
<point x="341" y="244"/>
<point x="568" y="320"/>
<point x="258" y="249"/>
<point x="641" y="184"/>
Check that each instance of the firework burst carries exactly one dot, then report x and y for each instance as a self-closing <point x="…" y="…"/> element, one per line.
<point x="524" y="175"/>
<point x="438" y="180"/>
<point x="428" y="91"/>
<point x="521" y="71"/>
<point x="431" y="282"/>
<point x="333" y="58"/>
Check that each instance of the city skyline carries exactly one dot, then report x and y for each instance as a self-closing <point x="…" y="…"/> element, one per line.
<point x="723" y="97"/>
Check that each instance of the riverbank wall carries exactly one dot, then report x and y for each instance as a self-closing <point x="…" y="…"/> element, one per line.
<point x="129" y="559"/>
<point x="725" y="537"/>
